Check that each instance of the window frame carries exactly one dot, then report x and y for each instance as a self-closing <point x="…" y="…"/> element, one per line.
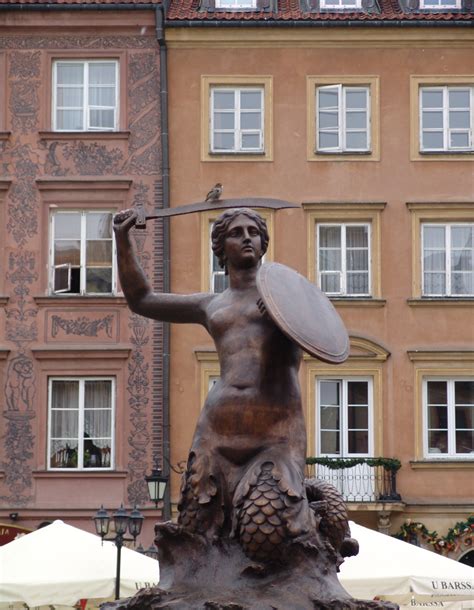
<point x="333" y="5"/>
<point x="372" y="83"/>
<point x="451" y="429"/>
<point x="343" y="272"/>
<point x="430" y="5"/>
<point x="417" y="83"/>
<point x="448" y="253"/>
<point x="209" y="83"/>
<point x="86" y="107"/>
<point x="80" y="458"/>
<point x="83" y="242"/>
<point x="236" y="5"/>
<point x="344" y="406"/>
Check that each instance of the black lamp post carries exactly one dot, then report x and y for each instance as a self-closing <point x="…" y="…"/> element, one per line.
<point x="122" y="521"/>
<point x="156" y="482"/>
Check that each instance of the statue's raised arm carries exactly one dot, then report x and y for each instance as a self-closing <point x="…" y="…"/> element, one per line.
<point x="137" y="289"/>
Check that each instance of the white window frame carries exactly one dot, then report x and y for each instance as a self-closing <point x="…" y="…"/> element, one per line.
<point x="448" y="250"/>
<point x="431" y="4"/>
<point x="447" y="131"/>
<point x="337" y="5"/>
<point x="80" y="437"/>
<point x="343" y="430"/>
<point x="343" y="271"/>
<point x="451" y="453"/>
<point x="86" y="107"/>
<point x="236" y="4"/>
<point x="342" y="130"/>
<point x="83" y="261"/>
<point x="237" y="131"/>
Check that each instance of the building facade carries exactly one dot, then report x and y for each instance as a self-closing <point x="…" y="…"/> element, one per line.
<point x="362" y="114"/>
<point x="80" y="138"/>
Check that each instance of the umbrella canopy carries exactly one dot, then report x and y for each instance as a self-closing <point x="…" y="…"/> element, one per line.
<point x="60" y="564"/>
<point x="403" y="573"/>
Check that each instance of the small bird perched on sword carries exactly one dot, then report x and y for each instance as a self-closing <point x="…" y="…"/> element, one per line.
<point x="215" y="193"/>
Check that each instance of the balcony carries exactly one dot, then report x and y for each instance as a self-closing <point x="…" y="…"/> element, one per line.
<point x="370" y="480"/>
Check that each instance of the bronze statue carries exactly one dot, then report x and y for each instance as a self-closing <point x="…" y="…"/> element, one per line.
<point x="246" y="514"/>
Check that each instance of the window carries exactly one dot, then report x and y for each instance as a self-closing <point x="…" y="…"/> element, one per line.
<point x="341" y="4"/>
<point x="437" y="4"/>
<point x="344" y="259"/>
<point x="343" y="118"/>
<point x="236" y="4"/>
<point x="81" y="423"/>
<point x="85" y="95"/>
<point x="82" y="253"/>
<point x="449" y="417"/>
<point x="448" y="253"/>
<point x="344" y="417"/>
<point x="219" y="280"/>
<point x="237" y="119"/>
<point x="446" y="118"/>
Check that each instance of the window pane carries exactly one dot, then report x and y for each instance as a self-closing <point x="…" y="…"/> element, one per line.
<point x="330" y="418"/>
<point x="97" y="453"/>
<point x="356" y="120"/>
<point x="438" y="441"/>
<point x="459" y="119"/>
<point x="330" y="260"/>
<point x="328" y="119"/>
<point x="459" y="140"/>
<point x="357" y="260"/>
<point x="434" y="261"/>
<point x="65" y="394"/>
<point x="465" y="417"/>
<point x="63" y="454"/>
<point x="461" y="260"/>
<point x="433" y="120"/>
<point x="102" y="118"/>
<point x="431" y="98"/>
<point x="67" y="225"/>
<point x="358" y="418"/>
<point x="330" y="237"/>
<point x="357" y="237"/>
<point x="357" y="283"/>
<point x="357" y="140"/>
<point x="433" y="237"/>
<point x="358" y="441"/>
<point x="330" y="393"/>
<point x="328" y="99"/>
<point x="99" y="253"/>
<point x="99" y="280"/>
<point x="434" y="283"/>
<point x="70" y="73"/>
<point x="250" y="100"/>
<point x="102" y="73"/>
<point x="356" y="99"/>
<point x="102" y="96"/>
<point x="223" y="100"/>
<point x="433" y="139"/>
<point x="331" y="282"/>
<point x="437" y="393"/>
<point x="62" y="277"/>
<point x="328" y="140"/>
<point x="97" y="423"/>
<point x="70" y="97"/>
<point x="357" y="393"/>
<point x="462" y="236"/>
<point x="67" y="251"/>
<point x="464" y="392"/>
<point x="98" y="394"/>
<point x="437" y="418"/>
<point x="458" y="98"/>
<point x="72" y="120"/>
<point x="465" y="441"/>
<point x="223" y="141"/>
<point x="462" y="283"/>
<point x="250" y="140"/>
<point x="220" y="282"/>
<point x="330" y="442"/>
<point x="99" y="225"/>
<point x="250" y="120"/>
<point x="64" y="423"/>
<point x="224" y="120"/>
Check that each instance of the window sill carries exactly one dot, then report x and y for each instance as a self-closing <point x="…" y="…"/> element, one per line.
<point x="357" y="302"/>
<point x="84" y="135"/>
<point x="73" y="352"/>
<point x="344" y="156"/>
<point x="80" y="474"/>
<point x="441" y="302"/>
<point x="446" y="464"/>
<point x="54" y="300"/>
<point x="443" y="155"/>
<point x="237" y="156"/>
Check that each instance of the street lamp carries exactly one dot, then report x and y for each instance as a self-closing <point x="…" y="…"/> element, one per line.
<point x="156" y="482"/>
<point x="122" y="521"/>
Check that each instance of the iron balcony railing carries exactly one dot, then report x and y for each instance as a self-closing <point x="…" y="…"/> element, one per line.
<point x="358" y="479"/>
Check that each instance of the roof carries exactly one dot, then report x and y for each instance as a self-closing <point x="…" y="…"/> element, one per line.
<point x="52" y="3"/>
<point x="291" y="11"/>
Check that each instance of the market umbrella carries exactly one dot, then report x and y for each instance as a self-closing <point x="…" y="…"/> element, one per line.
<point x="403" y="573"/>
<point x="60" y="564"/>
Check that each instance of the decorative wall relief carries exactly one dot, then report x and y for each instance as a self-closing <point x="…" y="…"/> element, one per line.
<point x="78" y="42"/>
<point x="92" y="159"/>
<point x="25" y="64"/>
<point x="24" y="100"/>
<point x="82" y="326"/>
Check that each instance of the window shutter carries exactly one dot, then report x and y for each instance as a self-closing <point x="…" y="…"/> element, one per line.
<point x="263" y="5"/>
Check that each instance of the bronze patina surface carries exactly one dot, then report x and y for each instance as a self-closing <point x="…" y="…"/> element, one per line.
<point x="252" y="533"/>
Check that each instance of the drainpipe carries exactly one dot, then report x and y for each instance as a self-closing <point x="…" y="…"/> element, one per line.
<point x="165" y="177"/>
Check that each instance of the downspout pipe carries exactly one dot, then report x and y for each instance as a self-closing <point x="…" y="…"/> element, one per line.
<point x="165" y="178"/>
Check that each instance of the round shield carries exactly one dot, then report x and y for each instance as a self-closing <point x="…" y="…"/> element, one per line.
<point x="303" y="313"/>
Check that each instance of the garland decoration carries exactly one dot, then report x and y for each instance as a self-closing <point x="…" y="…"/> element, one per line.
<point x="410" y="531"/>
<point x="390" y="464"/>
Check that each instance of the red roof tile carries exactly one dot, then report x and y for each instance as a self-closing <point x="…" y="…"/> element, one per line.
<point x="57" y="2"/>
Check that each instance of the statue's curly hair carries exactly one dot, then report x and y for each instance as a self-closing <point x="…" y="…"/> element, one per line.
<point x="221" y="225"/>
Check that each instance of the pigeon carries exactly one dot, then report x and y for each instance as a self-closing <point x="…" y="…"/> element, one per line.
<point x="215" y="193"/>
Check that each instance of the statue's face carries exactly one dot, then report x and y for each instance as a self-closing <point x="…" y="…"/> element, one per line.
<point x="243" y="242"/>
